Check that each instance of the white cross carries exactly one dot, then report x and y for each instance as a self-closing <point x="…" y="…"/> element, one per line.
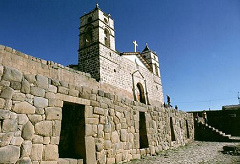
<point x="135" y="45"/>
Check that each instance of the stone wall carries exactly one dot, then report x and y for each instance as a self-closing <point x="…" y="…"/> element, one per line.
<point x="31" y="113"/>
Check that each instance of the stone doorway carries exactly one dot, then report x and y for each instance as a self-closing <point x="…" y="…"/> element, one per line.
<point x="173" y="138"/>
<point x="72" y="137"/>
<point x="142" y="131"/>
<point x="187" y="130"/>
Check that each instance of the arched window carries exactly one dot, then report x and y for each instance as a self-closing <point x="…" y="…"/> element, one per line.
<point x="105" y="20"/>
<point x="140" y="93"/>
<point x="89" y="19"/>
<point x="106" y="38"/>
<point x="88" y="37"/>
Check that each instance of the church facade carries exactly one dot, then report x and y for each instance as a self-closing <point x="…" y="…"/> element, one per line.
<point x="136" y="72"/>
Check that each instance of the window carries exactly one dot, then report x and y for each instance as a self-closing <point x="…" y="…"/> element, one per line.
<point x="88" y="37"/>
<point x="106" y="38"/>
<point x="105" y="20"/>
<point x="89" y="19"/>
<point x="140" y="93"/>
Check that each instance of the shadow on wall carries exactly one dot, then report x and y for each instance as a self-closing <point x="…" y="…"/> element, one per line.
<point x="227" y="121"/>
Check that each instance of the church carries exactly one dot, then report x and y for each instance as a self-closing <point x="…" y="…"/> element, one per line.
<point x="136" y="72"/>
<point x="108" y="109"/>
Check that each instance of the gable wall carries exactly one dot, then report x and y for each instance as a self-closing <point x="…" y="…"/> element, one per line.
<point x="123" y="77"/>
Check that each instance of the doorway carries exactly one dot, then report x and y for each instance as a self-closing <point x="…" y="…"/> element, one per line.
<point x="187" y="130"/>
<point x="142" y="131"/>
<point x="72" y="137"/>
<point x="173" y="138"/>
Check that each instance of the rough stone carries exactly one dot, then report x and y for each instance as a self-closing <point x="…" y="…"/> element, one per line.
<point x="35" y="118"/>
<point x="40" y="111"/>
<point x="25" y="86"/>
<point x="2" y="103"/>
<point x="99" y="147"/>
<point x="124" y="135"/>
<point x="37" y="91"/>
<point x="4" y="114"/>
<point x="73" y="92"/>
<point x="90" y="150"/>
<point x="48" y="162"/>
<point x="26" y="149"/>
<point x="115" y="137"/>
<point x="110" y="160"/>
<point x="53" y="113"/>
<point x="17" y="141"/>
<point x="1" y="71"/>
<point x="8" y="105"/>
<point x="9" y="125"/>
<point x="42" y="81"/>
<point x="24" y="108"/>
<point x="56" y="128"/>
<point x="6" y="138"/>
<point x="55" y="103"/>
<point x="7" y="93"/>
<point x="12" y="74"/>
<point x="30" y="78"/>
<point x="99" y="111"/>
<point x="52" y="88"/>
<point x="9" y="154"/>
<point x="63" y="90"/>
<point x="55" y="140"/>
<point x="46" y="140"/>
<point x="44" y="128"/>
<point x="37" y="151"/>
<point x="16" y="85"/>
<point x="89" y="130"/>
<point x="37" y="139"/>
<point x="40" y="102"/>
<point x="18" y="96"/>
<point x="28" y="131"/>
<point x="25" y="160"/>
<point x="22" y="119"/>
<point x="107" y="144"/>
<point x="50" y="153"/>
<point x="55" y="82"/>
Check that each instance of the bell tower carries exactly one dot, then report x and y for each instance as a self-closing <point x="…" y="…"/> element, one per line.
<point x="96" y="33"/>
<point x="152" y="59"/>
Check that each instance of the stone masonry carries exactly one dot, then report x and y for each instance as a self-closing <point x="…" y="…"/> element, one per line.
<point x="98" y="57"/>
<point x="33" y="93"/>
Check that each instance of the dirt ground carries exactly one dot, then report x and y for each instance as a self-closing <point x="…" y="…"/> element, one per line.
<point x="194" y="153"/>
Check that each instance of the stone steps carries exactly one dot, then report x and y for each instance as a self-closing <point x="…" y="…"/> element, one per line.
<point x="224" y="136"/>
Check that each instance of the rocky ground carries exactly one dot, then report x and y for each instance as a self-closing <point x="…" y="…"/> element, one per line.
<point x="194" y="153"/>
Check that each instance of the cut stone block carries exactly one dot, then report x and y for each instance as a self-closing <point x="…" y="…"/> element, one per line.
<point x="24" y="107"/>
<point x="12" y="74"/>
<point x="44" y="128"/>
<point x="9" y="154"/>
<point x="40" y="102"/>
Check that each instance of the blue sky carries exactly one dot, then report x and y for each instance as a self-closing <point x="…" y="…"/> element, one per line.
<point x="197" y="41"/>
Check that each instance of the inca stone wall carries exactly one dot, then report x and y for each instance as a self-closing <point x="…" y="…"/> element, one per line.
<point x="33" y="94"/>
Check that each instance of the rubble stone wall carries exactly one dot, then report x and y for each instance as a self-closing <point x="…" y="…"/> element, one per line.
<point x="31" y="104"/>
